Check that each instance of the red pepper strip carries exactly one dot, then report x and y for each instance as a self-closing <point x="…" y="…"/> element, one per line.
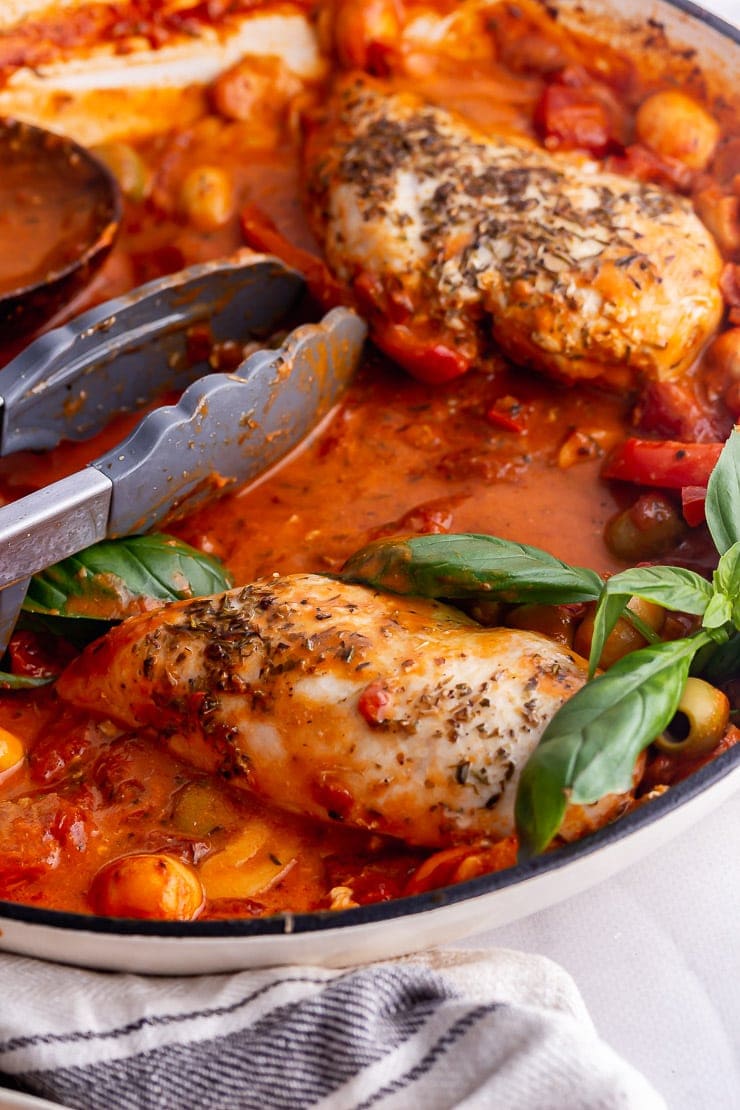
<point x="692" y="504"/>
<point x="429" y="361"/>
<point x="665" y="463"/>
<point x="261" y="234"/>
<point x="503" y="419"/>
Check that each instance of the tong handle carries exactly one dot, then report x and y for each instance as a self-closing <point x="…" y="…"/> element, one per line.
<point x="228" y="428"/>
<point x="70" y="382"/>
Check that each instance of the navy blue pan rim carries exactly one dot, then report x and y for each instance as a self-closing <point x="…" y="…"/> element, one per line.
<point x="292" y="924"/>
<point x="301" y="923"/>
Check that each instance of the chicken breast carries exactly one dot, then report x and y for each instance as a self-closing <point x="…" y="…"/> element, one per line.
<point x="339" y="702"/>
<point x="449" y="238"/>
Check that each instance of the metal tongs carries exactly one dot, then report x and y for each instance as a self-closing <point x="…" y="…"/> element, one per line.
<point x="225" y="430"/>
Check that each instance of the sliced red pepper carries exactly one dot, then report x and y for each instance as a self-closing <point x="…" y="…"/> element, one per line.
<point x="692" y="504"/>
<point x="665" y="463"/>
<point x="426" y="359"/>
<point x="261" y="234"/>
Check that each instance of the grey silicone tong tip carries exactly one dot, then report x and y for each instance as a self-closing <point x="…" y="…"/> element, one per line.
<point x="116" y="357"/>
<point x="225" y="430"/>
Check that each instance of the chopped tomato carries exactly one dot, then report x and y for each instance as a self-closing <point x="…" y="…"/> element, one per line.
<point x="570" y="119"/>
<point x="34" y="658"/>
<point x="372" y="881"/>
<point x="374" y="701"/>
<point x="430" y="517"/>
<point x="575" y="112"/>
<point x="692" y="504"/>
<point x="664" y="463"/>
<point x="509" y="414"/>
<point x="466" y="861"/>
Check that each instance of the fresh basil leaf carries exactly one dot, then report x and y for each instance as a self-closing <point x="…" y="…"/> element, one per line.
<point x="718" y="612"/>
<point x="21" y="681"/>
<point x="719" y="663"/>
<point x="727" y="581"/>
<point x="608" y="611"/>
<point x="76" y="632"/>
<point x="672" y="587"/>
<point x="722" y="508"/>
<point x="117" y="578"/>
<point x="590" y="746"/>
<point x="470" y="566"/>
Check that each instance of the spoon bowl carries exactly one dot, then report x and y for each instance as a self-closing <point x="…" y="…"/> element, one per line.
<point x="60" y="210"/>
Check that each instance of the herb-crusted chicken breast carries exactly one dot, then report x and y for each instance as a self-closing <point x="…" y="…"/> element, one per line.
<point x="339" y="702"/>
<point x="450" y="238"/>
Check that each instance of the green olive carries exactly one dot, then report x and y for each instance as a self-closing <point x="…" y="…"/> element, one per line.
<point x="700" y="721"/>
<point x="649" y="528"/>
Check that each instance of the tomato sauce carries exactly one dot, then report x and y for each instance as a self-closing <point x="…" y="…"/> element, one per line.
<point x="501" y="451"/>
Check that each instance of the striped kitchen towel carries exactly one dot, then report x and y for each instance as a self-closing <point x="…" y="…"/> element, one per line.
<point x="442" y="1029"/>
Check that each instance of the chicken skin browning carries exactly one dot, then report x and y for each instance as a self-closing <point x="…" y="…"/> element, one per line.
<point x="449" y="238"/>
<point x="341" y="703"/>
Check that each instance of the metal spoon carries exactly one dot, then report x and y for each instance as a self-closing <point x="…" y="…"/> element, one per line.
<point x="60" y="209"/>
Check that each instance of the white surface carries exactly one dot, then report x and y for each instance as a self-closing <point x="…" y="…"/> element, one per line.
<point x="655" y="952"/>
<point x="728" y="9"/>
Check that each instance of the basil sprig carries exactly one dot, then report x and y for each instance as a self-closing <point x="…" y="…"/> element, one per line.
<point x="589" y="748"/>
<point x="723" y="496"/>
<point x="594" y="738"/>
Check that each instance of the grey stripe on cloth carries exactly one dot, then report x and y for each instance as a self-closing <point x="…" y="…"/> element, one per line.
<point x="436" y="1031"/>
